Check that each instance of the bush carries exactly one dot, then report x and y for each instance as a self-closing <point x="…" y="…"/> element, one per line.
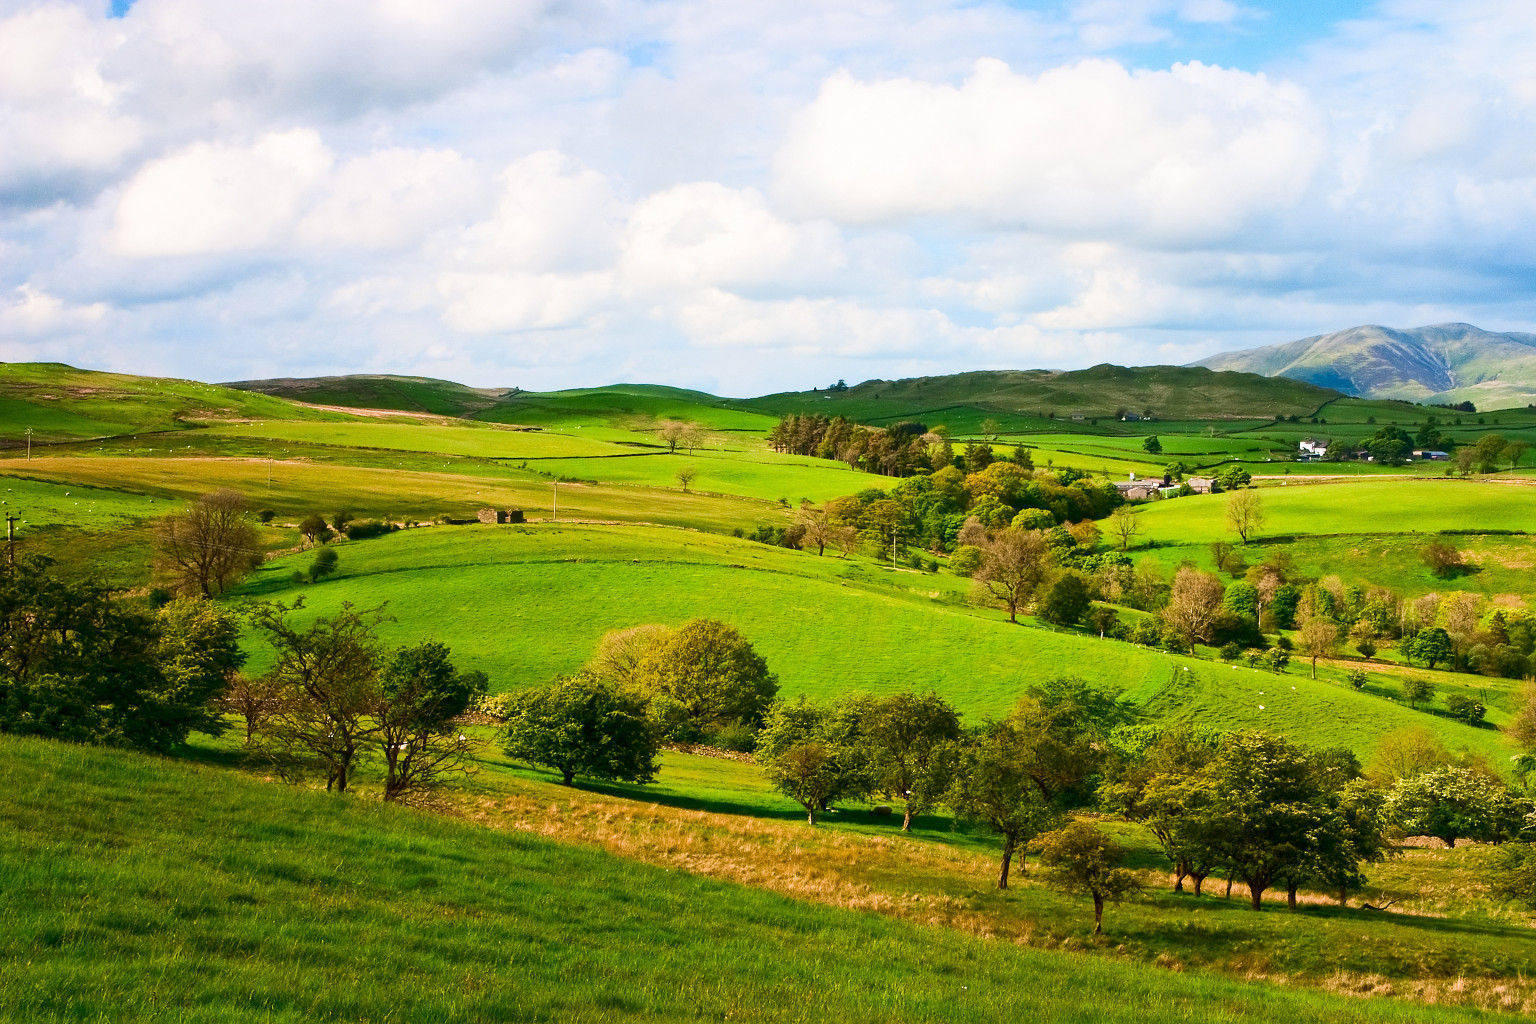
<point x="266" y="515"/>
<point x="1465" y="708"/>
<point x="323" y="565"/>
<point x="366" y="528"/>
<point x="1147" y="633"/>
<point x="1514" y="875"/>
<point x="1357" y="679"/>
<point x="1283" y="642"/>
<point x="159" y="597"/>
<point x="339" y="520"/>
<point x="1278" y="659"/>
<point x="1067" y="602"/>
<point x="966" y="560"/>
<point x="1231" y="651"/>
<point x="738" y="737"/>
<point x="1442" y="558"/>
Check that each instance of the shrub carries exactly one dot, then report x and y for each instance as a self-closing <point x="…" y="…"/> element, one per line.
<point x="1442" y="558"/>
<point x="323" y="565"/>
<point x="1514" y="875"/>
<point x="159" y="597"/>
<point x="366" y="528"/>
<point x="1465" y="708"/>
<point x="339" y="520"/>
<point x="1357" y="679"/>
<point x="266" y="515"/>
<point x="1147" y="633"/>
<point x="1418" y="691"/>
<point x="1278" y="659"/>
<point x="1231" y="651"/>
<point x="738" y="737"/>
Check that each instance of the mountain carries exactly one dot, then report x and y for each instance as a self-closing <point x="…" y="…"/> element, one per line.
<point x="1442" y="363"/>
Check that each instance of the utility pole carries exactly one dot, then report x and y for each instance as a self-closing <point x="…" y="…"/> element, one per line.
<point x="269" y="474"/>
<point x="29" y="444"/>
<point x="10" y="537"/>
<point x="554" y="504"/>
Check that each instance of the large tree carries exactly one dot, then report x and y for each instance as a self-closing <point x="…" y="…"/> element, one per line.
<point x="993" y="785"/>
<point x="1124" y="525"/>
<point x="1245" y="513"/>
<point x="1194" y="603"/>
<point x="1082" y="860"/>
<point x="911" y="740"/>
<point x="1318" y="638"/>
<point x="713" y="671"/>
<point x="326" y="676"/>
<point x="582" y="726"/>
<point x="1450" y="804"/>
<point x="815" y="754"/>
<point x="420" y="694"/>
<point x="209" y="545"/>
<point x="1013" y="564"/>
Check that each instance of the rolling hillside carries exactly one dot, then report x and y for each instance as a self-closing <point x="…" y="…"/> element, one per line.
<point x="1442" y="363"/>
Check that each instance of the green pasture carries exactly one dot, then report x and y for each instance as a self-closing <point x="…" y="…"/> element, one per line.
<point x="40" y="503"/>
<point x="528" y="604"/>
<point x="141" y="889"/>
<point x="405" y="435"/>
<point x="1359" y="507"/>
<point x="631" y="406"/>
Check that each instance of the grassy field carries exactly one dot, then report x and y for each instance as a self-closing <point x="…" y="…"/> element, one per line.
<point x="527" y="604"/>
<point x="137" y="889"/>
<point x="1381" y="507"/>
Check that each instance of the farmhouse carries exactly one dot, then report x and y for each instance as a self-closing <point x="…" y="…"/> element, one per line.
<point x="1136" y="490"/>
<point x="1201" y="484"/>
<point x="1310" y="449"/>
<point x="1428" y="455"/>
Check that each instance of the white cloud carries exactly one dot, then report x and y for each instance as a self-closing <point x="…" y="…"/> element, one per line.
<point x="392" y="198"/>
<point x="1087" y="150"/>
<point x="30" y="312"/>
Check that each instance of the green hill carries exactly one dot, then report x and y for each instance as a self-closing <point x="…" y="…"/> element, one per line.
<point x="1021" y="399"/>
<point x="63" y="403"/>
<point x="1442" y="363"/>
<point x="380" y="391"/>
<point x="139" y="889"/>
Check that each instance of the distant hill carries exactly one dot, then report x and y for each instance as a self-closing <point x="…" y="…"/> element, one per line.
<point x="1168" y="392"/>
<point x="58" y="402"/>
<point x="381" y="391"/>
<point x="1442" y="363"/>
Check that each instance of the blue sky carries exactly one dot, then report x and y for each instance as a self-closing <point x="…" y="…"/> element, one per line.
<point x="749" y="196"/>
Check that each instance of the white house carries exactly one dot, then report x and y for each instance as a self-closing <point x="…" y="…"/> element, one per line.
<point x="1311" y="447"/>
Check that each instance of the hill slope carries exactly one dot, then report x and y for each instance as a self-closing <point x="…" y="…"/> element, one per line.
<point x="140" y="889"/>
<point x="1169" y="392"/>
<point x="1444" y="363"/>
<point x="380" y="391"/>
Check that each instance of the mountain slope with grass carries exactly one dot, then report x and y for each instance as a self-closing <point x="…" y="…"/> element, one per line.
<point x="1441" y="363"/>
<point x="147" y="890"/>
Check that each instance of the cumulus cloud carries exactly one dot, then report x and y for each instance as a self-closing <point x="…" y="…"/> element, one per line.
<point x="1187" y="154"/>
<point x="31" y="313"/>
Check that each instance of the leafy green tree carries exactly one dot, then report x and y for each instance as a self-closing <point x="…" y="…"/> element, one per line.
<point x="712" y="670"/>
<point x="993" y="784"/>
<point x="1514" y="874"/>
<point x="1067" y="601"/>
<point x="420" y="694"/>
<point x="1490" y="452"/>
<point x="326" y="678"/>
<point x="978" y="457"/>
<point x="1081" y="860"/>
<point x="911" y="740"/>
<point x="1467" y="709"/>
<point x="582" y="726"/>
<point x="1450" y="804"/>
<point x="1152" y="445"/>
<point x="76" y="665"/>
<point x="1354" y="835"/>
<point x="1418" y="691"/>
<point x="1013" y="564"/>
<point x="1430" y="646"/>
<point x="815" y="754"/>
<point x="313" y="529"/>
<point x="1162" y="785"/>
<point x="323" y="564"/>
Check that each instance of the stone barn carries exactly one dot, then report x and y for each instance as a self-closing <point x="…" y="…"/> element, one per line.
<point x="496" y="515"/>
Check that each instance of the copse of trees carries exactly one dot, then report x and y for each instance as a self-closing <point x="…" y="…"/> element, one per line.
<point x="583" y="726"/>
<point x="77" y="665"/>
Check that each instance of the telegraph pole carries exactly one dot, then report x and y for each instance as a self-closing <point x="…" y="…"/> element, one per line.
<point x="554" y="504"/>
<point x="29" y="444"/>
<point x="10" y="537"/>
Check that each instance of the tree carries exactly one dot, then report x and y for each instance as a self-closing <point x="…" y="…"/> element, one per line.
<point x="324" y="564"/>
<point x="339" y="520"/>
<point x="993" y="785"/>
<point x="911" y="739"/>
<point x="620" y="651"/>
<point x="1245" y="513"/>
<point x="1522" y="725"/>
<point x="210" y="545"/>
<point x="420" y="694"/>
<point x="1229" y="560"/>
<point x="1490" y="451"/>
<point x="817" y="527"/>
<point x="1430" y="646"/>
<point x="1013" y="563"/>
<point x="713" y="671"/>
<point x="77" y="666"/>
<point x="1194" y="603"/>
<point x="582" y="726"/>
<point x="1081" y="860"/>
<point x="254" y="699"/>
<point x="1152" y="445"/>
<point x="1515" y="451"/>
<point x="1067" y="601"/>
<point x="326" y="676"/>
<point x="692" y="437"/>
<point x="1466" y="709"/>
<point x="1443" y="559"/>
<point x="671" y="433"/>
<point x="1405" y="753"/>
<point x="1162" y="785"/>
<point x="685" y="476"/>
<point x="1319" y="638"/>
<point x="1124" y="525"/>
<point x="313" y="529"/>
<point x="1514" y="875"/>
<point x="1449" y="803"/>
<point x="814" y="754"/>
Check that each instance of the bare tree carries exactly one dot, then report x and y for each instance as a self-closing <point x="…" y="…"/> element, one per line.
<point x="671" y="431"/>
<point x="686" y="475"/>
<point x="1124" y="525"/>
<point x="847" y="538"/>
<point x="817" y="526"/>
<point x="1194" y="603"/>
<point x="692" y="436"/>
<point x="1013" y="563"/>
<point x="1245" y="513"/>
<point x="1319" y="638"/>
<point x="210" y="545"/>
<point x="254" y="700"/>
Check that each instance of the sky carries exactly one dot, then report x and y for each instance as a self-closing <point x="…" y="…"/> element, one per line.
<point x="746" y="197"/>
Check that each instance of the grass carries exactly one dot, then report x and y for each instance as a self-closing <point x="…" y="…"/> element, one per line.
<point x="527" y="604"/>
<point x="137" y="889"/>
<point x="1374" y="507"/>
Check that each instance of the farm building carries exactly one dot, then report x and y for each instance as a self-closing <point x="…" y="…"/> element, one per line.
<point x="496" y="515"/>
<point x="1201" y="484"/>
<point x="1136" y="490"/>
<point x="1428" y="455"/>
<point x="1316" y="449"/>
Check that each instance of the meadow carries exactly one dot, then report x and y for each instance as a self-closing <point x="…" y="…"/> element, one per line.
<point x="141" y="889"/>
<point x="528" y="604"/>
